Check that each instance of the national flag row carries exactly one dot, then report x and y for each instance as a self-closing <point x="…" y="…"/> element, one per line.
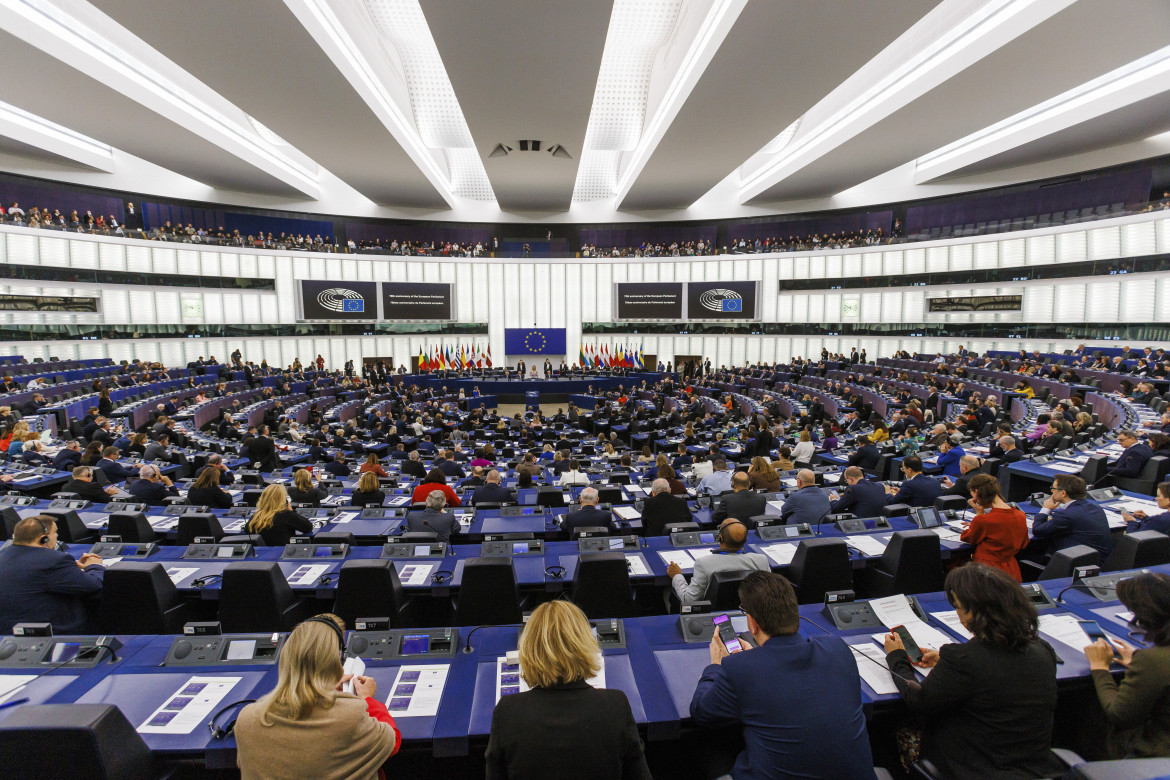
<point x="456" y="358"/>
<point x="620" y="356"/>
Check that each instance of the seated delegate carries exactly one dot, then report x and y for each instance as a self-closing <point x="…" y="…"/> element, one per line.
<point x="563" y="727"/>
<point x="308" y="727"/>
<point x="44" y="585"/>
<point x="274" y="518"/>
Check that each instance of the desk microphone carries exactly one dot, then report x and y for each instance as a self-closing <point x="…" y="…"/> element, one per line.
<point x="467" y="648"/>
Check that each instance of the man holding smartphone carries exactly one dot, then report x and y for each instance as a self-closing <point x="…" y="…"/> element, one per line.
<point x="825" y="736"/>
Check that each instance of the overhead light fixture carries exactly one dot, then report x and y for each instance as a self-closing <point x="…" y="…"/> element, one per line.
<point x="36" y="131"/>
<point x="1138" y="80"/>
<point x="68" y="37"/>
<point x="991" y="25"/>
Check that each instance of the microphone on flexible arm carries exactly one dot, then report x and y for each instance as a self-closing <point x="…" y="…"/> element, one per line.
<point x="467" y="647"/>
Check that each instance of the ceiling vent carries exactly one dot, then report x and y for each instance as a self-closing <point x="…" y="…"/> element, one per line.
<point x="530" y="145"/>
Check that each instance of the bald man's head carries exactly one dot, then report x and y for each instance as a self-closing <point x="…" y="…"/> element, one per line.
<point x="734" y="534"/>
<point x="968" y="463"/>
<point x="805" y="478"/>
<point x="741" y="481"/>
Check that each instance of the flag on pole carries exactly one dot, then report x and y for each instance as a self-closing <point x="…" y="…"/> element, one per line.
<point x="489" y="356"/>
<point x="422" y="359"/>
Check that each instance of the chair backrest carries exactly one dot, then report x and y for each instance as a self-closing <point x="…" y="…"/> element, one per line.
<point x="1141" y="548"/>
<point x="820" y="565"/>
<point x="609" y="495"/>
<point x="10" y="518"/>
<point x="139" y="598"/>
<point x="914" y="560"/>
<point x="991" y="466"/>
<point x="132" y="527"/>
<point x="723" y="591"/>
<point x="334" y="537"/>
<point x="1094" y="468"/>
<point x="418" y="536"/>
<point x="369" y="588"/>
<point x="548" y="497"/>
<point x="1064" y="561"/>
<point x="197" y="524"/>
<point x="84" y="741"/>
<point x="601" y="586"/>
<point x="70" y="529"/>
<point x="488" y="593"/>
<point x="254" y="596"/>
<point x="256" y="540"/>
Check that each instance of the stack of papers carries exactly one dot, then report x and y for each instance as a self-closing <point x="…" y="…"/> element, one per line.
<point x="866" y="545"/>
<point x="417" y="690"/>
<point x="681" y="557"/>
<point x="509" y="681"/>
<point x="896" y="611"/>
<point x="627" y="512"/>
<point x="871" y="665"/>
<point x="946" y="533"/>
<point x="162" y="522"/>
<point x="781" y="554"/>
<point x="345" y="517"/>
<point x="951" y="620"/>
<point x="180" y="573"/>
<point x="1066" y="630"/>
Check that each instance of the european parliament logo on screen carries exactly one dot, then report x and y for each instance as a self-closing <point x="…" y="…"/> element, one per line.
<point x="721" y="300"/>
<point x="341" y="299"/>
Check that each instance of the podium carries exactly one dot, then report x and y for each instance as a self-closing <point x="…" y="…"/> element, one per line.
<point x="532" y="400"/>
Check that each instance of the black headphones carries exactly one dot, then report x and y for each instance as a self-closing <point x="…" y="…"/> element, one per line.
<point x="47" y="528"/>
<point x="336" y="630"/>
<point x="719" y="530"/>
<point x="222" y="732"/>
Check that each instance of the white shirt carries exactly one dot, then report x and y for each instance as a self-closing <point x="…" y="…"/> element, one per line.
<point x="803" y="452"/>
<point x="573" y="478"/>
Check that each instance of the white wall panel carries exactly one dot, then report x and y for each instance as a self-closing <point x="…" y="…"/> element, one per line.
<point x="1071" y="247"/>
<point x="1069" y="305"/>
<point x="163" y="258"/>
<point x="1104" y="243"/>
<point x="1137" y="302"/>
<point x="1041" y="250"/>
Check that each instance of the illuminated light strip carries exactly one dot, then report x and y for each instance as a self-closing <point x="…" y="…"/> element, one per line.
<point x="882" y="98"/>
<point x="1135" y="81"/>
<point x="134" y="73"/>
<point x="37" y="131"/>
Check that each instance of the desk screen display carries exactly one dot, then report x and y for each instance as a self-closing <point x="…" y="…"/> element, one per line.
<point x="323" y="552"/>
<point x="707" y="538"/>
<point x="648" y="300"/>
<point x="722" y="300"/>
<point x="416" y="644"/>
<point x="64" y="652"/>
<point x="401" y="301"/>
<point x="241" y="649"/>
<point x="422" y="549"/>
<point x="519" y="548"/>
<point x="338" y="300"/>
<point x="129" y="549"/>
<point x="617" y="544"/>
<point x="225" y="552"/>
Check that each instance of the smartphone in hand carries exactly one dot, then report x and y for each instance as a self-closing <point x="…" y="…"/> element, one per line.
<point x="727" y="634"/>
<point x="912" y="648"/>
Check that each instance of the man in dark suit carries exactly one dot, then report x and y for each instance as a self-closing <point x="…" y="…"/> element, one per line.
<point x="761" y="681"/>
<point x="413" y="467"/>
<point x="867" y="455"/>
<point x="662" y="508"/>
<point x="742" y="503"/>
<point x="917" y="489"/>
<point x="1009" y="453"/>
<point x="434" y="519"/>
<point x="338" y="467"/>
<point x="588" y="515"/>
<point x="1068" y="518"/>
<point x="263" y="450"/>
<point x="968" y="467"/>
<point x="68" y="457"/>
<point x="83" y="485"/>
<point x="1131" y="462"/>
<point x="43" y="585"/>
<point x="110" y="466"/>
<point x="862" y="498"/>
<point x="152" y="487"/>
<point x="492" y="492"/>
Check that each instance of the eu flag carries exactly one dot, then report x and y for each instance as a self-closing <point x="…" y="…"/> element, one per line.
<point x="732" y="304"/>
<point x="353" y="304"/>
<point x="534" y="341"/>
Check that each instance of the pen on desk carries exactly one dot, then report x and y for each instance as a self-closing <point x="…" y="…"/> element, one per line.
<point x="8" y="704"/>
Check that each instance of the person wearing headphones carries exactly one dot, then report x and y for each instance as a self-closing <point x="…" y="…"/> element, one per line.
<point x="44" y="585"/>
<point x="823" y="737"/>
<point x="307" y="726"/>
<point x="730" y="556"/>
<point x="433" y="518"/>
<point x="152" y="487"/>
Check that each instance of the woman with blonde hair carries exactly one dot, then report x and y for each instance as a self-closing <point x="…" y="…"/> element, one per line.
<point x="367" y="493"/>
<point x="537" y="733"/>
<point x="274" y="518"/>
<point x="763" y="476"/>
<point x="303" y="490"/>
<point x="350" y="734"/>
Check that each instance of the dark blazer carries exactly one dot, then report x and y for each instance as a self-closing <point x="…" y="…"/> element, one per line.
<point x="442" y="523"/>
<point x="212" y="497"/>
<point x="1078" y="522"/>
<point x="920" y="491"/>
<point x="1132" y="461"/>
<point x="491" y="494"/>
<point x="337" y="469"/>
<point x="66" y="460"/>
<point x="373" y="498"/>
<point x="45" y="586"/>
<point x="572" y="731"/>
<point x="865" y="499"/>
<point x="585" y="517"/>
<point x="90" y="491"/>
<point x="959" y="488"/>
<point x="866" y="457"/>
<point x="661" y="509"/>
<point x="807" y="505"/>
<point x="740" y="505"/>
<point x="115" y="471"/>
<point x="824" y="737"/>
<point x="988" y="711"/>
<point x="284" y="526"/>
<point x="311" y="496"/>
<point x="151" y="493"/>
<point x="414" y="468"/>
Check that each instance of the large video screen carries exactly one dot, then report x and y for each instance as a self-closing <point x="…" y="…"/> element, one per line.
<point x="402" y="301"/>
<point x="721" y="300"/>
<point x="649" y="300"/>
<point x="339" y="300"/>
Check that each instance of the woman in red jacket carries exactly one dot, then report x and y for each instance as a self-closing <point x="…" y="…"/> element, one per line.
<point x="435" y="480"/>
<point x="997" y="532"/>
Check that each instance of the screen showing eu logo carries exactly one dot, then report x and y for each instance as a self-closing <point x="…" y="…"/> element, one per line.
<point x="354" y="304"/>
<point x="534" y="341"/>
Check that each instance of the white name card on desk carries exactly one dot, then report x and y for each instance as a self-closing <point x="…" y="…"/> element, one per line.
<point x="1062" y="466"/>
<point x="781" y="554"/>
<point x="190" y="705"/>
<point x="345" y="517"/>
<point x="950" y="619"/>
<point x="866" y="545"/>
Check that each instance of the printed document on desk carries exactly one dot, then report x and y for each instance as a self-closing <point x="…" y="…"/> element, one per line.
<point x="781" y="554"/>
<point x="681" y="557"/>
<point x="871" y="665"/>
<point x="189" y="706"/>
<point x="417" y="691"/>
<point x="866" y="545"/>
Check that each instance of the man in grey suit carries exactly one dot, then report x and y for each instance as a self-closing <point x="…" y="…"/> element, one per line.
<point x="729" y="557"/>
<point x="808" y="504"/>
<point x="158" y="450"/>
<point x="744" y="503"/>
<point x="433" y="518"/>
